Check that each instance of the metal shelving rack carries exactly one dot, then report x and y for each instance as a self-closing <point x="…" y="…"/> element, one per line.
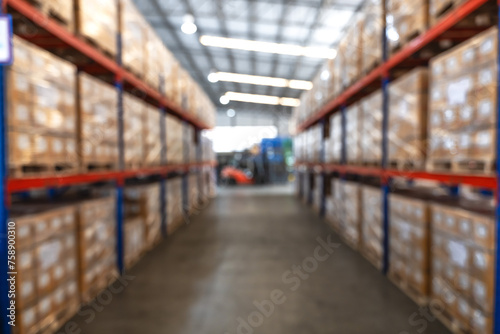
<point x="53" y="35"/>
<point x="380" y="78"/>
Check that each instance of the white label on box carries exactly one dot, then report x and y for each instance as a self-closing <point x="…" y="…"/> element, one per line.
<point x="28" y="317"/>
<point x="485" y="108"/>
<point x="479" y="291"/>
<point x="22" y="112"/>
<point x="41" y="144"/>
<point x="43" y="280"/>
<point x="27" y="289"/>
<point x="23" y="142"/>
<point x="481" y="231"/>
<point x="458" y="253"/>
<point x="23" y="231"/>
<point x="486" y="77"/>
<point x="56" y="224"/>
<point x="463" y="281"/>
<point x="44" y="306"/>
<point x="466" y="113"/>
<point x="5" y="40"/>
<point x="487" y="46"/>
<point x="457" y="91"/>
<point x="484" y="139"/>
<point x="468" y="55"/>
<point x="58" y="272"/>
<point x="465" y="227"/>
<point x="480" y="260"/>
<point x="25" y="260"/>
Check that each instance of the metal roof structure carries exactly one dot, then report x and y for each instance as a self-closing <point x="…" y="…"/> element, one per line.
<point x="308" y="23"/>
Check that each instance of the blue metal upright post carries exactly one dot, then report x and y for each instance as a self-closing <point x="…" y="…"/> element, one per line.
<point x="385" y="127"/>
<point x="120" y="256"/>
<point x="496" y="319"/>
<point x="4" y="210"/>
<point x="343" y="159"/>
<point x="163" y="162"/>
<point x="185" y="185"/>
<point x="322" y="159"/>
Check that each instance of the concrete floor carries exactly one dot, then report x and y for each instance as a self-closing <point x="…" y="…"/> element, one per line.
<point x="207" y="278"/>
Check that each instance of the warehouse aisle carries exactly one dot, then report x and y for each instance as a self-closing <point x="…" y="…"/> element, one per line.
<point x="209" y="277"/>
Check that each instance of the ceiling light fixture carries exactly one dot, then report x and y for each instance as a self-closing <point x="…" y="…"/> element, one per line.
<point x="260" y="80"/>
<point x="262" y="99"/>
<point x="231" y="113"/>
<point x="267" y="47"/>
<point x="224" y="100"/>
<point x="189" y="27"/>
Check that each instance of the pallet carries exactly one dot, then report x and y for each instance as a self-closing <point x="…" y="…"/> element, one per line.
<point x="405" y="165"/>
<point x="31" y="170"/>
<point x="60" y="319"/>
<point x="368" y="69"/>
<point x="46" y="7"/>
<point x="409" y="290"/>
<point x="469" y="166"/>
<point x="450" y="322"/>
<point x="99" y="167"/>
<point x="371" y="163"/>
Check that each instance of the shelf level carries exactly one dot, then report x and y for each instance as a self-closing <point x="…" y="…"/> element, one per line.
<point x="25" y="184"/>
<point x="489" y="182"/>
<point x="53" y="35"/>
<point x="417" y="44"/>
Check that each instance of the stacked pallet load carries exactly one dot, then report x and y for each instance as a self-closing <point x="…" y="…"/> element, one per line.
<point x="373" y="27"/>
<point x="353" y="134"/>
<point x="98" y="124"/>
<point x="144" y="201"/>
<point x="409" y="262"/>
<point x="314" y="139"/>
<point x="463" y="268"/>
<point x="407" y="137"/>
<point x="175" y="214"/>
<point x="134" y="240"/>
<point x="134" y="39"/>
<point x="333" y="151"/>
<point x="60" y="10"/>
<point x="405" y="21"/>
<point x="133" y="131"/>
<point x="170" y="90"/>
<point x="317" y="191"/>
<point x="175" y="140"/>
<point x="97" y="246"/>
<point x="97" y="22"/>
<point x="156" y="55"/>
<point x="371" y="225"/>
<point x="333" y="206"/>
<point x="300" y="146"/>
<point x="191" y="143"/>
<point x="350" y="53"/>
<point x="194" y="193"/>
<point x="371" y="125"/>
<point x="47" y="282"/>
<point x="463" y="107"/>
<point x="42" y="113"/>
<point x="152" y="136"/>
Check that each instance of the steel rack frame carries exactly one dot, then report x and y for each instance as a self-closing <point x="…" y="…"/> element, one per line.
<point x="379" y="78"/>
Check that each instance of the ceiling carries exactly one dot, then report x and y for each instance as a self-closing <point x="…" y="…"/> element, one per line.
<point x="312" y="23"/>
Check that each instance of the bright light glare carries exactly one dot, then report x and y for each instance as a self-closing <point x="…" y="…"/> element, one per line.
<point x="262" y="99"/>
<point x="188" y="27"/>
<point x="224" y="100"/>
<point x="256" y="46"/>
<point x="259" y="80"/>
<point x="231" y="113"/>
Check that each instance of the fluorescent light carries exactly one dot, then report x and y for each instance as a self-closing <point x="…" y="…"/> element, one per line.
<point x="259" y="80"/>
<point x="256" y="46"/>
<point x="188" y="27"/>
<point x="224" y="100"/>
<point x="262" y="99"/>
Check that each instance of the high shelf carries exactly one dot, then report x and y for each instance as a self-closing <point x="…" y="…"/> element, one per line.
<point x="448" y="28"/>
<point x="52" y="36"/>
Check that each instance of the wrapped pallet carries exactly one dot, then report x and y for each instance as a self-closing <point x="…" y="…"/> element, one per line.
<point x="371" y="128"/>
<point x="406" y="19"/>
<point x="175" y="141"/>
<point x="314" y="139"/>
<point x="134" y="241"/>
<point x="334" y="152"/>
<point x="97" y="21"/>
<point x="47" y="280"/>
<point x="372" y="231"/>
<point x="334" y="205"/>
<point x="98" y="123"/>
<point x="143" y="202"/>
<point x="152" y="136"/>
<point x="408" y="98"/>
<point x="156" y="58"/>
<point x="60" y="10"/>
<point x="133" y="130"/>
<point x="350" y="53"/>
<point x="317" y="190"/>
<point x="134" y="38"/>
<point x="171" y="76"/>
<point x="463" y="267"/>
<point x="373" y="28"/>
<point x="409" y="240"/>
<point x="462" y="110"/>
<point x="97" y="241"/>
<point x="42" y="112"/>
<point x="175" y="214"/>
<point x="193" y="193"/>
<point x="353" y="134"/>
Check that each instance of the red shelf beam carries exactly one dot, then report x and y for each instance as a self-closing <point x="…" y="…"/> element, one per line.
<point x="489" y="182"/>
<point x="25" y="184"/>
<point x="63" y="37"/>
<point x="414" y="46"/>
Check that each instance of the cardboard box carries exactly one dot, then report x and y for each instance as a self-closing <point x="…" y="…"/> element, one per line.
<point x="406" y="19"/>
<point x="371" y="125"/>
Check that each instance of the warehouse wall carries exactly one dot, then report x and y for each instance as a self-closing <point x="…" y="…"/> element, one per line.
<point x="256" y="117"/>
